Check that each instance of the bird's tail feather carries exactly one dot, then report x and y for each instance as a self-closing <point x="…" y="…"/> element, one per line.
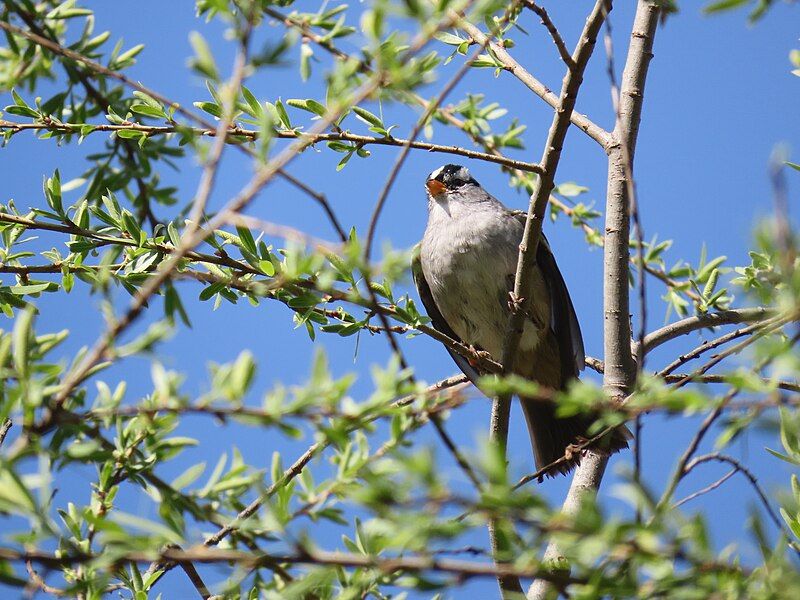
<point x="552" y="436"/>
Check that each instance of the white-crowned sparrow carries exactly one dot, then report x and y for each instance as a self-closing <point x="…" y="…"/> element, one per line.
<point x="464" y="272"/>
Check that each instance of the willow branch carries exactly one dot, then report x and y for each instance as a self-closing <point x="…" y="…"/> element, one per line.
<point x="234" y="135"/>
<point x="620" y="370"/>
<point x="705" y="321"/>
<point x="303" y="556"/>
<point x="553" y="31"/>
<point x="97" y="68"/>
<point x="582" y="122"/>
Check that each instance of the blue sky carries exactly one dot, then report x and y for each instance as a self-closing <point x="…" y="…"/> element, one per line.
<point x="719" y="98"/>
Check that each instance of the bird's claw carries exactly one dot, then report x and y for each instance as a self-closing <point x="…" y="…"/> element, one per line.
<point x="478" y="354"/>
<point x="514" y="302"/>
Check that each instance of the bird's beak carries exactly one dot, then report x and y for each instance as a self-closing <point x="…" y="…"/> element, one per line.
<point x="435" y="187"/>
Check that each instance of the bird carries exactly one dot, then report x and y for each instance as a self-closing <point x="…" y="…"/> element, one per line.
<point x="464" y="270"/>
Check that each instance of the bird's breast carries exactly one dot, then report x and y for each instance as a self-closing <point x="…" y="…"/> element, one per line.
<point x="467" y="262"/>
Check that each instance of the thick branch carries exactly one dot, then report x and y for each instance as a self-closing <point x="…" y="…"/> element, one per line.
<point x="532" y="232"/>
<point x="620" y="370"/>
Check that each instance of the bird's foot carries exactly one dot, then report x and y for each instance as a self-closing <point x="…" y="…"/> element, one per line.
<point x="577" y="449"/>
<point x="479" y="354"/>
<point x="514" y="302"/>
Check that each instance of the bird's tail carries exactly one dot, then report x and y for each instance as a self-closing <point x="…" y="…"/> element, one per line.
<point x="552" y="437"/>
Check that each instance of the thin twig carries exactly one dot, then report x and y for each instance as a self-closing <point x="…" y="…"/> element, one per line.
<point x="234" y="135"/>
<point x="582" y="122"/>
<point x="40" y="583"/>
<point x="304" y="556"/>
<point x="703" y="321"/>
<point x="680" y="469"/>
<point x="709" y="488"/>
<point x="739" y="467"/>
<point x="553" y="31"/>
<point x="766" y="329"/>
<point x="4" y="428"/>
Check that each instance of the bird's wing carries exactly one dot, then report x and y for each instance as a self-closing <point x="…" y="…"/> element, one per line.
<point x="437" y="320"/>
<point x="563" y="320"/>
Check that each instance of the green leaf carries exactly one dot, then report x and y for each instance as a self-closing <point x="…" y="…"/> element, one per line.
<point x="344" y="161"/>
<point x="210" y="108"/>
<point x="126" y="58"/>
<point x="368" y="118"/>
<point x="20" y="340"/>
<point x="266" y="267"/>
<point x="309" y="105"/>
<point x="33" y="288"/>
<point x="721" y="5"/>
<point x="283" y="115"/>
<point x="248" y="243"/>
<point x="305" y="61"/>
<point x="149" y="111"/>
<point x="130" y="134"/>
<point x="256" y="110"/>
<point x="449" y="38"/>
<point x="189" y="476"/>
<point x="570" y="189"/>
<point x="22" y="111"/>
<point x="204" y="59"/>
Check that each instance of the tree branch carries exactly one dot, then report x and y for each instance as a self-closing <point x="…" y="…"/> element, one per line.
<point x="97" y="68"/>
<point x="740" y="468"/>
<point x="304" y="556"/>
<point x="233" y="135"/>
<point x="582" y="122"/>
<point x="620" y="370"/>
<point x="529" y="243"/>
<point x="705" y="321"/>
<point x="553" y="31"/>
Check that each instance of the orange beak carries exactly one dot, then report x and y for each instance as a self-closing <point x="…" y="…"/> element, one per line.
<point x="435" y="187"/>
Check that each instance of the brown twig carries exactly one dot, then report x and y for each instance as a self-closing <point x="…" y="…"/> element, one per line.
<point x="38" y="582"/>
<point x="293" y="471"/>
<point x="766" y="329"/>
<point x="553" y="31"/>
<point x="304" y="556"/>
<point x="703" y="321"/>
<point x="740" y="468"/>
<point x="510" y="64"/>
<point x="680" y="470"/>
<point x="715" y="343"/>
<point x="4" y="428"/>
<point x="234" y="134"/>
<point x="709" y="488"/>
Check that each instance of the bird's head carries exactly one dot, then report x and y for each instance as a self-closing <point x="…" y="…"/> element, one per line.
<point x="448" y="179"/>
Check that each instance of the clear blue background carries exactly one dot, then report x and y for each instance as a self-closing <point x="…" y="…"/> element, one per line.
<point x="719" y="97"/>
